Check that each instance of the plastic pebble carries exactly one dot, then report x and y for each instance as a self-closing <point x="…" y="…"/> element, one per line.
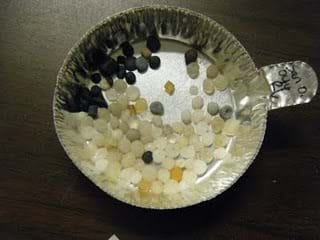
<point x="156" y="187"/>
<point x="130" y="78"/>
<point x="104" y="84"/>
<point x="193" y="90"/>
<point x="123" y="102"/>
<point x="121" y="72"/>
<point x="146" y="53"/>
<point x="144" y="186"/>
<point x="141" y="105"/>
<point x="142" y="64"/>
<point x="189" y="176"/>
<point x="226" y="112"/>
<point x="188" y="152"/>
<point x="197" y="116"/>
<point x="120" y="86"/>
<point x="113" y="170"/>
<point x="95" y="78"/>
<point x="219" y="153"/>
<point x="231" y="127"/>
<point x="191" y="56"/>
<point x="169" y="88"/>
<point x="193" y="70"/>
<point x="133" y="134"/>
<point x="115" y="109"/>
<point x="200" y="167"/>
<point x="133" y="93"/>
<point x="197" y="102"/>
<point x="114" y="122"/>
<point x="168" y="163"/>
<point x="208" y="86"/>
<point x="186" y="116"/>
<point x="147" y="157"/>
<point x="130" y="63"/>
<point x="163" y="175"/>
<point x="154" y="62"/>
<point x="111" y="94"/>
<point x="128" y="160"/>
<point x="170" y="187"/>
<point x="159" y="155"/>
<point x="176" y="173"/>
<point x="127" y="49"/>
<point x="156" y="108"/>
<point x="93" y="111"/>
<point x="217" y="124"/>
<point x="220" y="140"/>
<point x="178" y="127"/>
<point x="213" y="108"/>
<point x="221" y="82"/>
<point x="207" y="139"/>
<point x="149" y="173"/>
<point x="157" y="120"/>
<point x="124" y="145"/>
<point x="153" y="43"/>
<point x="212" y="71"/>
<point x="137" y="148"/>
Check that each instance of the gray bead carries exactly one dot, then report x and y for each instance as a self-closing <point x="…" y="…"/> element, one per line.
<point x="212" y="108"/>
<point x="157" y="108"/>
<point x="226" y="112"/>
<point x="142" y="64"/>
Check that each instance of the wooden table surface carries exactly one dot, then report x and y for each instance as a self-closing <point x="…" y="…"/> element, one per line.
<point x="44" y="196"/>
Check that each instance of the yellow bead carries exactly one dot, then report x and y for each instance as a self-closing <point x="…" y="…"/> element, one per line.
<point x="176" y="174"/>
<point x="141" y="105"/>
<point x="144" y="186"/>
<point x="217" y="124"/>
<point x="132" y="110"/>
<point x="169" y="87"/>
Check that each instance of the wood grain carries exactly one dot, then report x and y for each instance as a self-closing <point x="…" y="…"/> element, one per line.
<point x="43" y="196"/>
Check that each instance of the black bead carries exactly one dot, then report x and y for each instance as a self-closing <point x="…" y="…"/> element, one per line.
<point x="130" y="64"/>
<point x="109" y="43"/>
<point x="121" y="59"/>
<point x="127" y="49"/>
<point x="109" y="68"/>
<point x="147" y="157"/>
<point x="95" y="78"/>
<point x="122" y="72"/>
<point x="110" y="80"/>
<point x="191" y="56"/>
<point x="95" y="91"/>
<point x="93" y="111"/>
<point x="153" y="43"/>
<point x="154" y="62"/>
<point x="95" y="57"/>
<point x="99" y="101"/>
<point x="130" y="78"/>
<point x="84" y="105"/>
<point x="71" y="105"/>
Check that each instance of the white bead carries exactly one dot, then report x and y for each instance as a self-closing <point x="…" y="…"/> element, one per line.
<point x="197" y="116"/>
<point x="178" y="127"/>
<point x="137" y="148"/>
<point x="181" y="163"/>
<point x="87" y="132"/>
<point x="231" y="127"/>
<point x="186" y="116"/>
<point x="212" y="71"/>
<point x="149" y="173"/>
<point x="156" y="187"/>
<point x="193" y="90"/>
<point x="207" y="139"/>
<point x="101" y="165"/>
<point x="208" y="86"/>
<point x="219" y="153"/>
<point x="199" y="167"/>
<point x="197" y="102"/>
<point x="104" y="114"/>
<point x="113" y="170"/>
<point x="159" y="155"/>
<point x="136" y="177"/>
<point x="128" y="160"/>
<point x="163" y="175"/>
<point x="133" y="93"/>
<point x="112" y="94"/>
<point x="172" y="150"/>
<point x="101" y="125"/>
<point x="221" y="82"/>
<point x="168" y="163"/>
<point x="157" y="120"/>
<point x="124" y="145"/>
<point x="170" y="187"/>
<point x="188" y="152"/>
<point x="189" y="176"/>
<point x="100" y="153"/>
<point x="120" y="86"/>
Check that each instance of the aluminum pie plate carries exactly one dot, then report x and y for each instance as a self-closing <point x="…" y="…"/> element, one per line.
<point x="253" y="90"/>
